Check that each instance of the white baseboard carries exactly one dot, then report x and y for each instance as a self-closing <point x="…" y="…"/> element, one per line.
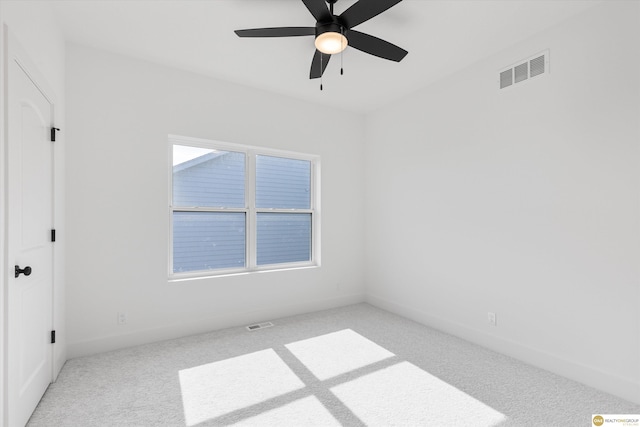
<point x="146" y="336"/>
<point x="588" y="375"/>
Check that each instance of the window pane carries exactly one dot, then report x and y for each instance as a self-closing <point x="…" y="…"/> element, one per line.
<point x="208" y="240"/>
<point x="205" y="177"/>
<point x="283" y="183"/>
<point x="283" y="237"/>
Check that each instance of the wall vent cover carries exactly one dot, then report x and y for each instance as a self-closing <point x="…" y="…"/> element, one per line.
<point x="536" y="65"/>
<point x="257" y="326"/>
<point x="521" y="72"/>
<point x="506" y="78"/>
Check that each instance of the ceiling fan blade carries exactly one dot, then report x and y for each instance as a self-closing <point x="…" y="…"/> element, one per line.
<point x="315" y="64"/>
<point x="277" y="32"/>
<point x="318" y="9"/>
<point x="364" y="10"/>
<point x="375" y="46"/>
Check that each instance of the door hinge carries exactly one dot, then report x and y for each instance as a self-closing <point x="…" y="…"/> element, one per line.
<point x="53" y="337"/>
<point x="53" y="134"/>
<point x="53" y="235"/>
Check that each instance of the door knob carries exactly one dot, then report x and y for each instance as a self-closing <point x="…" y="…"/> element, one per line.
<point x="26" y="271"/>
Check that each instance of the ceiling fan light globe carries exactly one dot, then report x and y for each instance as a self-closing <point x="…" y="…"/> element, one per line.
<point x="331" y="43"/>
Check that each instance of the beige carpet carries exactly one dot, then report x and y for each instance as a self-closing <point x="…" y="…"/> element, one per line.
<point x="352" y="366"/>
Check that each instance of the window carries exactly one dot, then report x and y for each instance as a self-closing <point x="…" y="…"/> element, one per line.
<point x="236" y="208"/>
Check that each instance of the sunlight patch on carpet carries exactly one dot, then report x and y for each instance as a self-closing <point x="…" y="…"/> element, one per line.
<point x="215" y="389"/>
<point x="329" y="355"/>
<point x="306" y="412"/>
<point x="404" y="395"/>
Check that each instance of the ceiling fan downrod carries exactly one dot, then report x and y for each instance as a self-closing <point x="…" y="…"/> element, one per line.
<point x="331" y="3"/>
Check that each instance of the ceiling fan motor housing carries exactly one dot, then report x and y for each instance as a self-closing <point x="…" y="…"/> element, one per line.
<point x="330" y="27"/>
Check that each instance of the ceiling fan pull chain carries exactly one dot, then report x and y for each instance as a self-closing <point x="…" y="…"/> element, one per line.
<point x="342" y="51"/>
<point x="321" y="73"/>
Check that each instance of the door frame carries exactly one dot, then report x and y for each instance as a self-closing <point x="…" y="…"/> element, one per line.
<point x="11" y="50"/>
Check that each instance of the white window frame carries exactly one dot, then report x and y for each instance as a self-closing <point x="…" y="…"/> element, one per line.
<point x="250" y="209"/>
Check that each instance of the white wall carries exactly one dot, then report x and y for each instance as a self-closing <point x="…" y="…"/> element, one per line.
<point x="33" y="25"/>
<point x="120" y="112"/>
<point x="523" y="202"/>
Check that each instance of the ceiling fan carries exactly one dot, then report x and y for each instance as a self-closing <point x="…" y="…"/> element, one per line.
<point x="334" y="33"/>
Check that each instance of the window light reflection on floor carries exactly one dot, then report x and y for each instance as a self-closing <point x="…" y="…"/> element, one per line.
<point x="329" y="355"/>
<point x="215" y="389"/>
<point x="306" y="412"/>
<point x="356" y="378"/>
<point x="405" y="395"/>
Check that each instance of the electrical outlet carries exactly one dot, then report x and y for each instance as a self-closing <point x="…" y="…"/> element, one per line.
<point x="491" y="317"/>
<point x="122" y="318"/>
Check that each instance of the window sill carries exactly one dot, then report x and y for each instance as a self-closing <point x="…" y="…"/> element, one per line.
<point x="186" y="277"/>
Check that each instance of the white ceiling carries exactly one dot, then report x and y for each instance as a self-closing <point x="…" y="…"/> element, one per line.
<point x="442" y="36"/>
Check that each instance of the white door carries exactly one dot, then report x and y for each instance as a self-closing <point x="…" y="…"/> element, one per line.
<point x="29" y="218"/>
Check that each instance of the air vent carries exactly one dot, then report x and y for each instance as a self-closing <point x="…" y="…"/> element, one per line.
<point x="506" y="78"/>
<point x="257" y="326"/>
<point x="521" y="71"/>
<point x="537" y="66"/>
